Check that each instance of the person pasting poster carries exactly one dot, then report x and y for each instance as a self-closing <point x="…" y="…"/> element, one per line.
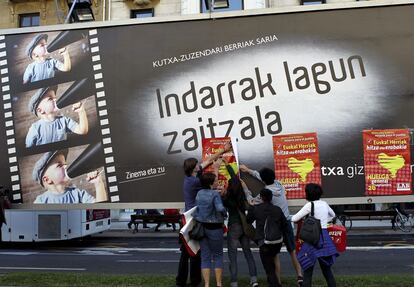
<point x="211" y="146"/>
<point x="387" y="162"/>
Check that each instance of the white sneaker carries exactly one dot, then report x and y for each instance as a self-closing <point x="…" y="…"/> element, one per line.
<point x="255" y="284"/>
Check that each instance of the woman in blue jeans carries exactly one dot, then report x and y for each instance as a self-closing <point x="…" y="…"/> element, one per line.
<point x="210" y="212"/>
<point x="236" y="203"/>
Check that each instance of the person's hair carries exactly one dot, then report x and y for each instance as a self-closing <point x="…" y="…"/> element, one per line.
<point x="189" y="165"/>
<point x="236" y="193"/>
<point x="313" y="191"/>
<point x="207" y="179"/>
<point x="266" y="195"/>
<point x="267" y="175"/>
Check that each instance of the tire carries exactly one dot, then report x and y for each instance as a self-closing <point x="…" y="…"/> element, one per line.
<point x="346" y="221"/>
<point x="403" y="223"/>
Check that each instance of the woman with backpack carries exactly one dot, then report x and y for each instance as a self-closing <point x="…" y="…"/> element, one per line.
<point x="235" y="201"/>
<point x="270" y="225"/>
<point x="324" y="251"/>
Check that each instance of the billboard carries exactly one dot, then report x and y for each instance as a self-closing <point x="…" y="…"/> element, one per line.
<point x="129" y="103"/>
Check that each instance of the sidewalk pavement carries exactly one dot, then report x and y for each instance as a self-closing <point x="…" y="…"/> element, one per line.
<point x="120" y="229"/>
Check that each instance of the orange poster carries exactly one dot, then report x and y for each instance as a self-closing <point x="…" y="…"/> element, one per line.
<point x="212" y="146"/>
<point x="297" y="163"/>
<point x="387" y="162"/>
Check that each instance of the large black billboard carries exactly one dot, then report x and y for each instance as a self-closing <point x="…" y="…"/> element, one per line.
<point x="149" y="93"/>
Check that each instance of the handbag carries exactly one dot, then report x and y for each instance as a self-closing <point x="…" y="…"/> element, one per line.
<point x="338" y="235"/>
<point x="197" y="233"/>
<point x="192" y="246"/>
<point x="311" y="229"/>
<point x="248" y="228"/>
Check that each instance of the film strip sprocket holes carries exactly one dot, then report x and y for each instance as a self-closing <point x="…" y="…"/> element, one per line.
<point x="9" y="124"/>
<point x="103" y="117"/>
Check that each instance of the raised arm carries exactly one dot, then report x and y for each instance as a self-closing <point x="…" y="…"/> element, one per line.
<point x="234" y="179"/>
<point x="306" y="209"/>
<point x="67" y="65"/>
<point x="83" y="127"/>
<point x="209" y="160"/>
<point x="252" y="172"/>
<point x="95" y="178"/>
<point x="250" y="199"/>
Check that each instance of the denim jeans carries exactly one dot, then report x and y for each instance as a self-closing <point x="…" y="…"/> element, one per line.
<point x="211" y="247"/>
<point x="234" y="236"/>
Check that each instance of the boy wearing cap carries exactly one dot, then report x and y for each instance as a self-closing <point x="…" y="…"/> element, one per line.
<point x="50" y="172"/>
<point x="52" y="127"/>
<point x="43" y="66"/>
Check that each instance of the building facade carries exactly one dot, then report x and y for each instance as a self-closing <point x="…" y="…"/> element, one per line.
<point x="26" y="13"/>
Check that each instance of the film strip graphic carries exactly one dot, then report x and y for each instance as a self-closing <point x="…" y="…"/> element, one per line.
<point x="9" y="124"/>
<point x="103" y="117"/>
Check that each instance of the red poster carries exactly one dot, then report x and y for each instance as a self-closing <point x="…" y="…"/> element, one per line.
<point x="214" y="145"/>
<point x="387" y="162"/>
<point x="297" y="163"/>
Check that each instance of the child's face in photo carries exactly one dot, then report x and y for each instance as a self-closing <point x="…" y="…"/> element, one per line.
<point x="48" y="104"/>
<point x="56" y="171"/>
<point x="40" y="50"/>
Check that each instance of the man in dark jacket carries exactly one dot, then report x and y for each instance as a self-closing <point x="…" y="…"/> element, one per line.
<point x="268" y="214"/>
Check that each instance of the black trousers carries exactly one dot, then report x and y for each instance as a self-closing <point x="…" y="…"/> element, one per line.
<point x="268" y="253"/>
<point x="326" y="271"/>
<point x="195" y="269"/>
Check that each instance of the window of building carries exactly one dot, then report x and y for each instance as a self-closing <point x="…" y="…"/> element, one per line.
<point x="312" y="2"/>
<point x="142" y="13"/>
<point x="221" y="5"/>
<point x="29" y="20"/>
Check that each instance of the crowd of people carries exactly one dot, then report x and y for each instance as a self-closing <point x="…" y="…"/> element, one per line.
<point x="273" y="226"/>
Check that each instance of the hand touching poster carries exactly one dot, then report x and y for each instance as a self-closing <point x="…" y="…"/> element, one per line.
<point x="212" y="146"/>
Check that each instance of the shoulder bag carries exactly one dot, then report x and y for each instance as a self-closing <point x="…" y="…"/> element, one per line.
<point x="197" y="232"/>
<point x="248" y="228"/>
<point x="311" y="229"/>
